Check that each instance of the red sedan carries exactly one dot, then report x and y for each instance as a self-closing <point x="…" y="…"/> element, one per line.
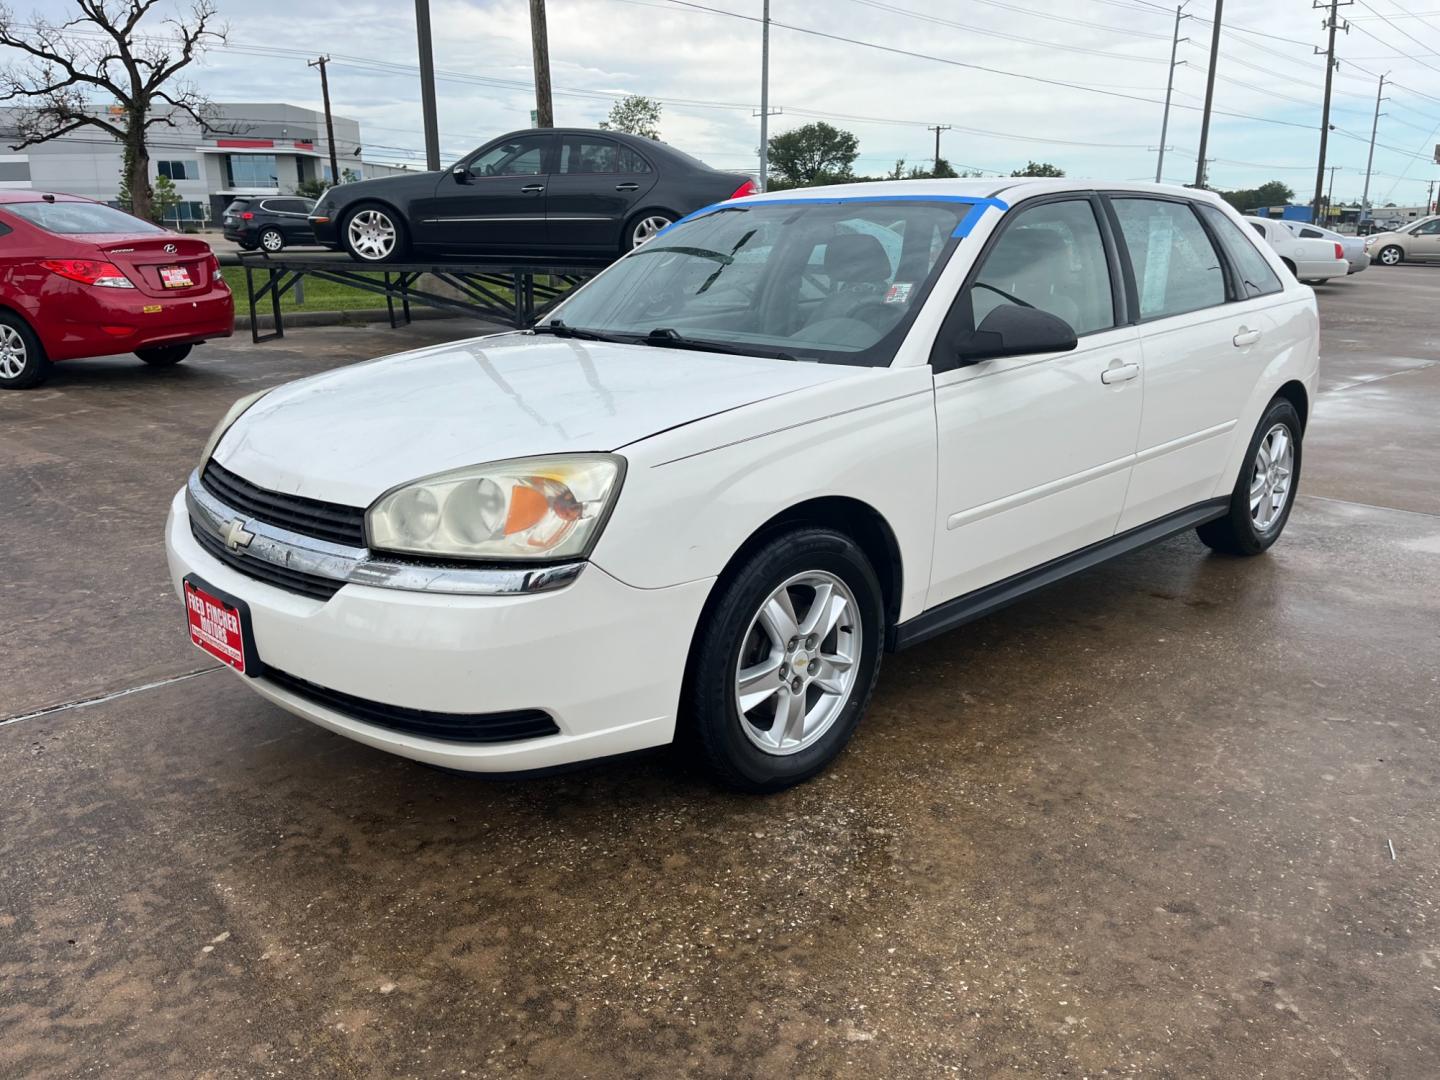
<point x="79" y="278"/>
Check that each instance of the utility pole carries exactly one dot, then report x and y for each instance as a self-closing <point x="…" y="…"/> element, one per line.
<point x="427" y="85"/>
<point x="1369" y="161"/>
<point x="937" y="129"/>
<point x="1332" y="23"/>
<point x="1169" y="86"/>
<point x="765" y="97"/>
<point x="320" y="62"/>
<point x="1330" y="192"/>
<point x="1209" y="95"/>
<point x="540" y="46"/>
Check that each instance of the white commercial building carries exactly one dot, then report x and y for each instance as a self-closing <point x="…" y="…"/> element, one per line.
<point x="252" y="148"/>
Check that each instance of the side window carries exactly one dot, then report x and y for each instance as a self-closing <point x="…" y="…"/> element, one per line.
<point x="524" y="156"/>
<point x="1049" y="257"/>
<point x="1254" y="272"/>
<point x="629" y="161"/>
<point x="1177" y="269"/>
<point x="584" y="155"/>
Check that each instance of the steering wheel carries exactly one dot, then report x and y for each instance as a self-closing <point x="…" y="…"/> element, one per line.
<point x="876" y="313"/>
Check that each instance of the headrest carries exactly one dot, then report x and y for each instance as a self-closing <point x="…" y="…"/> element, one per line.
<point x="856" y="258"/>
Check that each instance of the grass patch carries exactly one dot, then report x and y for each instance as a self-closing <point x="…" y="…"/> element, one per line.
<point x="318" y="295"/>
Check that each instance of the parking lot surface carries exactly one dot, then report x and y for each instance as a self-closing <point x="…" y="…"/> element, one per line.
<point x="1176" y="817"/>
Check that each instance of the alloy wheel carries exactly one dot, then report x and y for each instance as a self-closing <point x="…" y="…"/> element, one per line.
<point x="371" y="234"/>
<point x="271" y="240"/>
<point x="13" y="354"/>
<point x="799" y="663"/>
<point x="1390" y="256"/>
<point x="1270" y="480"/>
<point x="646" y="229"/>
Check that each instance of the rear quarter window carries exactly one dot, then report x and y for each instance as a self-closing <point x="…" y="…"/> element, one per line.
<point x="1251" y="267"/>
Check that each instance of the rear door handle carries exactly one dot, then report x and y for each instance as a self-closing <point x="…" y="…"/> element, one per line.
<point x="533" y="187"/>
<point x="1118" y="373"/>
<point x="627" y="187"/>
<point x="1246" y="337"/>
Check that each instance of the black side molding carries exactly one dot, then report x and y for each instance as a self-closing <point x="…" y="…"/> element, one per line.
<point x="983" y="601"/>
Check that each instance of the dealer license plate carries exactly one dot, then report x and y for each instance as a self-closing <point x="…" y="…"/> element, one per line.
<point x="215" y="626"/>
<point x="175" y="277"/>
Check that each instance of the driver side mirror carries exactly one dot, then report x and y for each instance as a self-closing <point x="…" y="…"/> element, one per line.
<point x="461" y="173"/>
<point x="1012" y="330"/>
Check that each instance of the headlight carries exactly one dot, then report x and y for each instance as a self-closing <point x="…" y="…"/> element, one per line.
<point x="526" y="508"/>
<point x="225" y="421"/>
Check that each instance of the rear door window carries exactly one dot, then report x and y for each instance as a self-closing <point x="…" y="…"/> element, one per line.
<point x="1177" y="268"/>
<point x="1254" y="273"/>
<point x="579" y="154"/>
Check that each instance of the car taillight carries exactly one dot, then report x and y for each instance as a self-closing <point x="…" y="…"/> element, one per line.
<point x="246" y="215"/>
<point x="89" y="272"/>
<point x="747" y="188"/>
<point x="1340" y="252"/>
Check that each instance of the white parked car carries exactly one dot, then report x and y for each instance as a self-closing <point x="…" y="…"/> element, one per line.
<point x="790" y="433"/>
<point x="1418" y="240"/>
<point x="1310" y="260"/>
<point x="1352" y="247"/>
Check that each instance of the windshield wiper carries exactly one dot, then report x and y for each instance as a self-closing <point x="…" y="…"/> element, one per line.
<point x="667" y="337"/>
<point x="699" y="253"/>
<point x="559" y="329"/>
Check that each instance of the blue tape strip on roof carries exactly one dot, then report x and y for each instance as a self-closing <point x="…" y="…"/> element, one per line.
<point x="977" y="204"/>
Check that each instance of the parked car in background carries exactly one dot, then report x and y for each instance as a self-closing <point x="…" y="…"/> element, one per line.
<point x="79" y="278"/>
<point x="1418" y="240"/>
<point x="556" y="192"/>
<point x="704" y="495"/>
<point x="269" y="222"/>
<point x="1353" y="247"/>
<point x="1309" y="259"/>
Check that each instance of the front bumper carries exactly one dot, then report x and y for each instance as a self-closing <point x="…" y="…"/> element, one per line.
<point x="604" y="660"/>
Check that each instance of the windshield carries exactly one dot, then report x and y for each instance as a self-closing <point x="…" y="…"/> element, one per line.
<point x="80" y="217"/>
<point x="831" y="281"/>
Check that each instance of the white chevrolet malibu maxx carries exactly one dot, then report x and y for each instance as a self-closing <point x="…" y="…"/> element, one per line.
<point x="712" y="487"/>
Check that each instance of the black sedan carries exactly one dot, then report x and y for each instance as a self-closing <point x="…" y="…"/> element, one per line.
<point x="556" y="192"/>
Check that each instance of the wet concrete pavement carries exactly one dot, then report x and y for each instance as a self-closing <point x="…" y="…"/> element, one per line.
<point x="1140" y="824"/>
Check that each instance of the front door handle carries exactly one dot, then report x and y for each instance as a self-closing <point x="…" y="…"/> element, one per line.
<point x="627" y="187"/>
<point x="1246" y="337"/>
<point x="1118" y="373"/>
<point x="533" y="187"/>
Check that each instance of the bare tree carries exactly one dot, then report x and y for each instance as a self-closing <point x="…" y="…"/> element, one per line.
<point x="97" y="71"/>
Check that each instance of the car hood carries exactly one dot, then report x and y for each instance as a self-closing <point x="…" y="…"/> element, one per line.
<point x="350" y="435"/>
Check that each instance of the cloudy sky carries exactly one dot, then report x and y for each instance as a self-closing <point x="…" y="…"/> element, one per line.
<point x="980" y="66"/>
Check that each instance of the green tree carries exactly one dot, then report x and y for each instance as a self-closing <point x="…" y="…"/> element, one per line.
<point x="164" y="199"/>
<point x="311" y="189"/>
<point x="636" y="114"/>
<point x="1039" y="168"/>
<point x="1274" y="193"/>
<point x="816" y="153"/>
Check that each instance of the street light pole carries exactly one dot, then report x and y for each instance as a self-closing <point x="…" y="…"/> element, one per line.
<point x="1369" y="161"/>
<point x="1169" y="86"/>
<point x="1209" y="94"/>
<point x="765" y="97"/>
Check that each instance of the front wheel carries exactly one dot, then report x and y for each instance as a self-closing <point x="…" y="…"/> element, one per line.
<point x="783" y="666"/>
<point x="1265" y="492"/>
<point x="374" y="234"/>
<point x="164" y="355"/>
<point x="1390" y="255"/>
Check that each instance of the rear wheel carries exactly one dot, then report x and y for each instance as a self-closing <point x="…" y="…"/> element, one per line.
<point x="1390" y="255"/>
<point x="164" y="355"/>
<point x="644" y="227"/>
<point x="1265" y="492"/>
<point x="784" y="664"/>
<point x="272" y="240"/>
<point x="23" y="363"/>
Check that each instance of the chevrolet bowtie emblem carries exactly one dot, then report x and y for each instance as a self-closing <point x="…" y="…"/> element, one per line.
<point x="235" y="535"/>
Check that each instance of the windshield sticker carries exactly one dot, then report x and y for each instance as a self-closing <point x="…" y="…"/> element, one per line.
<point x="899" y="293"/>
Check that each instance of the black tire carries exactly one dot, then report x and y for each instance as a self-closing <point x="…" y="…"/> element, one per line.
<point x="164" y="355"/>
<point x="627" y="235"/>
<point x="272" y="240"/>
<point x="1237" y="532"/>
<point x="710" y="717"/>
<point x="402" y="237"/>
<point x="1394" y="252"/>
<point x="20" y="353"/>
<point x="248" y="245"/>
